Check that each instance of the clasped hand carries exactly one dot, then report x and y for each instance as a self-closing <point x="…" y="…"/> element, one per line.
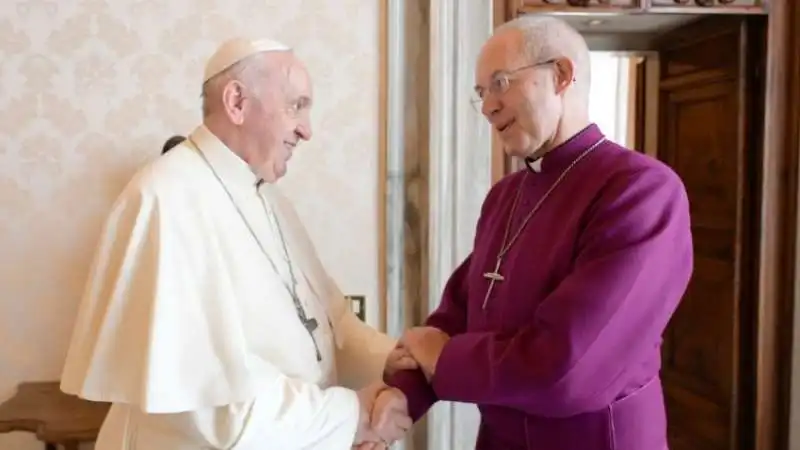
<point x="384" y="410"/>
<point x="384" y="417"/>
<point x="424" y="345"/>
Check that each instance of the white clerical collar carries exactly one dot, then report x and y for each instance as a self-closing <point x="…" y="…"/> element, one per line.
<point x="535" y="165"/>
<point x="229" y="166"/>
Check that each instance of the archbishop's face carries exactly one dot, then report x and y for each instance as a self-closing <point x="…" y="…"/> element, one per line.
<point x="284" y="119"/>
<point x="516" y="94"/>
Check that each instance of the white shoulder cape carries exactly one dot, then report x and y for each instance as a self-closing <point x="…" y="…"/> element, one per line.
<point x="157" y="327"/>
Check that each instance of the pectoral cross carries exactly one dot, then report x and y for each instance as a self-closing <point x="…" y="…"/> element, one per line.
<point x="493" y="277"/>
<point x="311" y="326"/>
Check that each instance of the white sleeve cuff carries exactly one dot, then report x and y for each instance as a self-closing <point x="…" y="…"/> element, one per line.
<point x="302" y="417"/>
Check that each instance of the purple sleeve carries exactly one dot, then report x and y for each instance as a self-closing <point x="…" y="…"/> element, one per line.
<point x="449" y="317"/>
<point x="633" y="264"/>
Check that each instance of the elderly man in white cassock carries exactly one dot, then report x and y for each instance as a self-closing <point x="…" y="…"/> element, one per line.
<point x="208" y="321"/>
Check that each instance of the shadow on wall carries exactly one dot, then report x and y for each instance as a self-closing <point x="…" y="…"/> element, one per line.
<point x="172" y="142"/>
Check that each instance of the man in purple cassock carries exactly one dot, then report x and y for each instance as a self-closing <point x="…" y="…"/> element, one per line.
<point x="553" y="325"/>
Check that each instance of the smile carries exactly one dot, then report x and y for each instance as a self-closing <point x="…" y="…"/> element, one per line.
<point x="506" y="126"/>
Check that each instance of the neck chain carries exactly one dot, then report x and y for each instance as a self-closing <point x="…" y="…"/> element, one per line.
<point x="495" y="276"/>
<point x="310" y="324"/>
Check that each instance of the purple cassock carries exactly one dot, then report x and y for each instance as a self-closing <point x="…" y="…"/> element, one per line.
<point x="564" y="352"/>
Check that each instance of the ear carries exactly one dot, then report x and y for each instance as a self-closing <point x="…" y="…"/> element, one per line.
<point x="233" y="101"/>
<point x="564" y="75"/>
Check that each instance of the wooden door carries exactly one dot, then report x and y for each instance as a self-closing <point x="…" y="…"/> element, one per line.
<point x="710" y="130"/>
<point x="640" y="105"/>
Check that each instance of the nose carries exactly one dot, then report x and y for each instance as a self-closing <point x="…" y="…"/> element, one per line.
<point x="490" y="107"/>
<point x="303" y="131"/>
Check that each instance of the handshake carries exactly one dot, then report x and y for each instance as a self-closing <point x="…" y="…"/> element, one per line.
<point x="383" y="419"/>
<point x="384" y="410"/>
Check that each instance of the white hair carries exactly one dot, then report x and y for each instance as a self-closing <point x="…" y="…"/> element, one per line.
<point x="247" y="71"/>
<point x="547" y="37"/>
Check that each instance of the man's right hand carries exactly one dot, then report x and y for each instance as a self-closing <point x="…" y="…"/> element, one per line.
<point x="390" y="419"/>
<point x="365" y="435"/>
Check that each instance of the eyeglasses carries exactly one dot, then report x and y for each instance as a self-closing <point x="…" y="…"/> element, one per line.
<point x="501" y="81"/>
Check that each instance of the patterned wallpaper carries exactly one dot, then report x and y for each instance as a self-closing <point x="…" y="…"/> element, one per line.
<point x="89" y="90"/>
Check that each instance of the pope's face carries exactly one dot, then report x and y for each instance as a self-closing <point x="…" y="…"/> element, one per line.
<point x="280" y="118"/>
<point x="517" y="95"/>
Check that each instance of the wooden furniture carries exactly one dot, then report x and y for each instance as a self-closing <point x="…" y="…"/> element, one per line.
<point x="711" y="134"/>
<point x="56" y="418"/>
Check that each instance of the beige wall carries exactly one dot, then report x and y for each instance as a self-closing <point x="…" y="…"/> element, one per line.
<point x="89" y="91"/>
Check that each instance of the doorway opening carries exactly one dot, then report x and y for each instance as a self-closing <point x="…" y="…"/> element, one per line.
<point x="612" y="95"/>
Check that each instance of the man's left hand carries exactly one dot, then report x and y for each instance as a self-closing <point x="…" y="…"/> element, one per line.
<point x="425" y="344"/>
<point x="399" y="359"/>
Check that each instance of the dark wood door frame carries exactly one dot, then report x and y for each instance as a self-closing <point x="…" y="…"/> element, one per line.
<point x="779" y="260"/>
<point x="778" y="256"/>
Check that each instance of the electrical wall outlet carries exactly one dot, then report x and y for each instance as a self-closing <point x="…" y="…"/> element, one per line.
<point x="358" y="304"/>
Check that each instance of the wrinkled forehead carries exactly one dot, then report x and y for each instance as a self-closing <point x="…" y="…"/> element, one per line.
<point x="501" y="53"/>
<point x="298" y="77"/>
<point x="293" y="76"/>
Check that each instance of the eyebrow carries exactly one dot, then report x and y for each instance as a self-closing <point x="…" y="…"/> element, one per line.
<point x="494" y="74"/>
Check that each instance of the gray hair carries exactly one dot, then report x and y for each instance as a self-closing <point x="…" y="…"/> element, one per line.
<point x="548" y="37"/>
<point x="247" y="71"/>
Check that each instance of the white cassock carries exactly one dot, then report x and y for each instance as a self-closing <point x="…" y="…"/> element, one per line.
<point x="188" y="326"/>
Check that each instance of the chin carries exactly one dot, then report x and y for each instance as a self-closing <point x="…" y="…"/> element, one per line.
<point x="267" y="175"/>
<point x="517" y="144"/>
<point x="271" y="172"/>
<point x="517" y="149"/>
<point x="514" y="152"/>
<point x="278" y="172"/>
<point x="526" y="150"/>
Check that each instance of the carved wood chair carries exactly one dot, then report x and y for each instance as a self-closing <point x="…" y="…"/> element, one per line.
<point x="57" y="419"/>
